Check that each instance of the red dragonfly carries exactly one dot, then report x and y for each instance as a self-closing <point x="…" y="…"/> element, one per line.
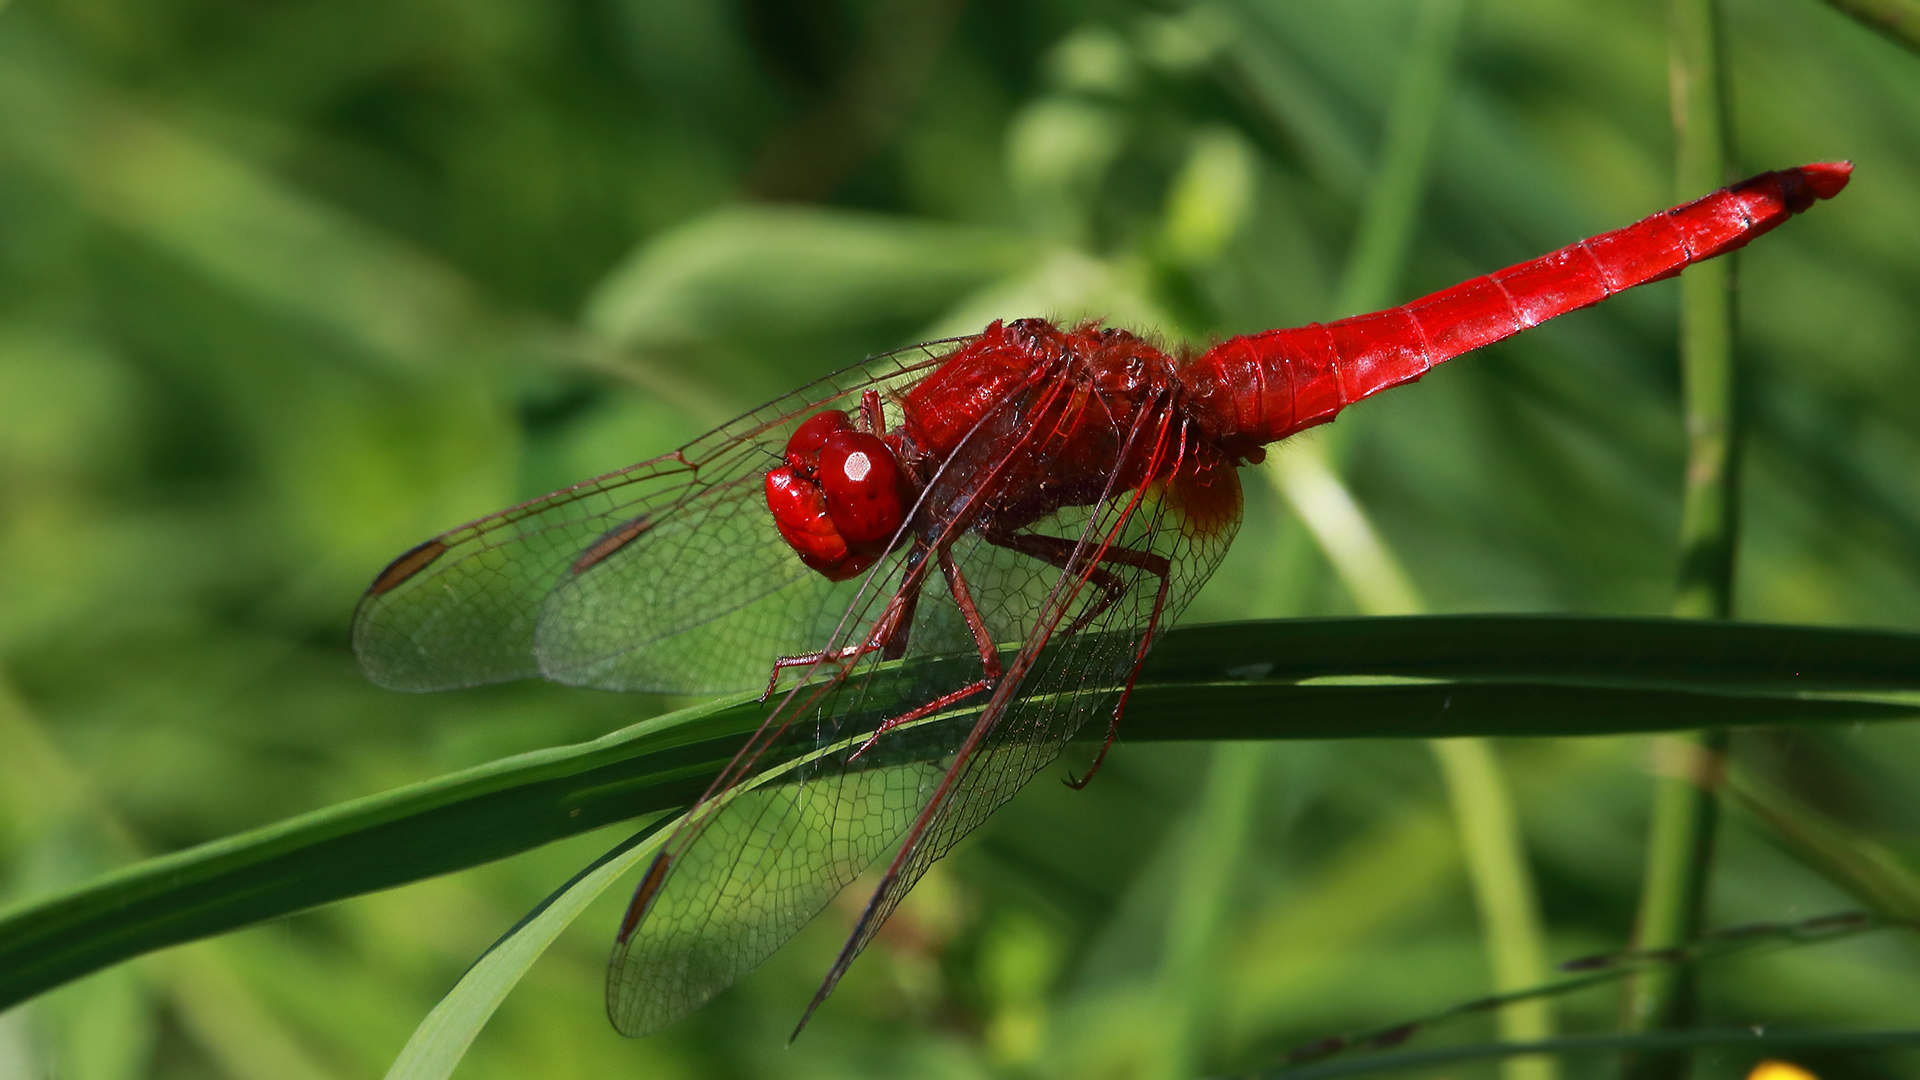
<point x="955" y="554"/>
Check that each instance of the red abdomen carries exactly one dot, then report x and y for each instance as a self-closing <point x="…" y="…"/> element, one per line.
<point x="1252" y="390"/>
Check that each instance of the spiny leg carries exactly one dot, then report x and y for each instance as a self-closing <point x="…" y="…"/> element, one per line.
<point x="982" y="640"/>
<point x="1059" y="552"/>
<point x="890" y="630"/>
<point x="1139" y="659"/>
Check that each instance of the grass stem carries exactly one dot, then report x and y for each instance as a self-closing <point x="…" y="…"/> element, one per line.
<point x="1400" y="170"/>
<point x="1490" y="839"/>
<point x="1214" y="849"/>
<point x="1680" y="842"/>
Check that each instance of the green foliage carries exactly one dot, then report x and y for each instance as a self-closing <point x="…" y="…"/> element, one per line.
<point x="1432" y="678"/>
<point x="286" y="288"/>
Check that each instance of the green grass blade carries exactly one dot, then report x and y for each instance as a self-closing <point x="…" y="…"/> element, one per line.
<point x="1286" y="679"/>
<point x="1754" y="1038"/>
<point x="445" y="824"/>
<point x="1649" y="652"/>
<point x="1503" y="887"/>
<point x="442" y="1038"/>
<point x="1490" y="840"/>
<point x="1746" y="939"/>
<point x="1673" y="894"/>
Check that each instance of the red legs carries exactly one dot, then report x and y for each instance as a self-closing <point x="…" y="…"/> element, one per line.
<point x="889" y="635"/>
<point x="982" y="640"/>
<point x="1139" y="658"/>
<point x="1059" y="552"/>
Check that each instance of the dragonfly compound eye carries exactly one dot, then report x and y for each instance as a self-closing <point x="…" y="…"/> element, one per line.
<point x="837" y="500"/>
<point x="862" y="481"/>
<point x="803" y="446"/>
<point x="800" y="513"/>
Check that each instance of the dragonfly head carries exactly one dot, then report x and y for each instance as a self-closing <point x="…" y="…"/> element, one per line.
<point x="841" y="496"/>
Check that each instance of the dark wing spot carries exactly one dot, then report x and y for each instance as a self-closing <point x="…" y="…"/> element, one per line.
<point x="643" y="896"/>
<point x="406" y="566"/>
<point x="612" y="541"/>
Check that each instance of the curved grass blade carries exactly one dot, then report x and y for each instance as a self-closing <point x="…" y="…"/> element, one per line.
<point x="1678" y="653"/>
<point x="443" y="1037"/>
<point x="1750" y="1038"/>
<point x="449" y="823"/>
<point x="1611" y="967"/>
<point x="1878" y="876"/>
<point x="1423" y="678"/>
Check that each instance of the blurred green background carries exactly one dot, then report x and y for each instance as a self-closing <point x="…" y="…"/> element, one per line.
<point x="288" y="286"/>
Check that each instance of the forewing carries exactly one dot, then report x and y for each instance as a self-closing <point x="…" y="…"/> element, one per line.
<point x="665" y="576"/>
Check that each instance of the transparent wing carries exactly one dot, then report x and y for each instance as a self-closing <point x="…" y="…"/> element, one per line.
<point x="808" y="806"/>
<point x="1140" y="558"/>
<point x="666" y="576"/>
<point x="793" y="819"/>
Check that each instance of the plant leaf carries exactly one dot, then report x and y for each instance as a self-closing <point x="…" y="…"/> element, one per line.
<point x="1428" y="677"/>
<point x="443" y="1037"/>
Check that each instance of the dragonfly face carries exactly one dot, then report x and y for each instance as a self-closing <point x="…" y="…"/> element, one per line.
<point x="840" y="498"/>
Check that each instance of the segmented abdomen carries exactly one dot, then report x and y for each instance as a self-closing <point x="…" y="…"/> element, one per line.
<point x="1251" y="390"/>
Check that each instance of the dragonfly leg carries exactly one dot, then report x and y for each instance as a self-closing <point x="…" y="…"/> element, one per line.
<point x="889" y="631"/>
<point x="895" y="646"/>
<point x="982" y="640"/>
<point x="1059" y="552"/>
<point x="1139" y="659"/>
<point x="802" y="660"/>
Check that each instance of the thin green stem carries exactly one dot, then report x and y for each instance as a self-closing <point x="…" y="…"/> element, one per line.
<point x="1710" y="511"/>
<point x="1406" y="155"/>
<point x="1748" y="939"/>
<point x="1680" y="844"/>
<point x="1215" y="841"/>
<point x="1490" y="839"/>
<point x="1673" y="894"/>
<point x="1496" y="858"/>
